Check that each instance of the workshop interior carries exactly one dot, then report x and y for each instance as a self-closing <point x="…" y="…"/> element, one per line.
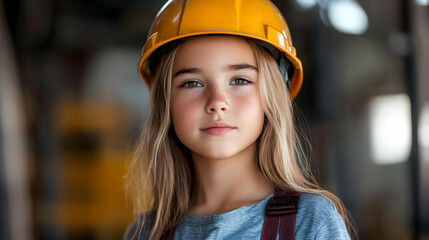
<point x="72" y="106"/>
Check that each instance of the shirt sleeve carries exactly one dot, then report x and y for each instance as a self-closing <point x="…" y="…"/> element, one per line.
<point x="333" y="227"/>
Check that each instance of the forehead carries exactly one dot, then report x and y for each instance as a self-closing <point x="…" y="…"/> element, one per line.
<point x="214" y="51"/>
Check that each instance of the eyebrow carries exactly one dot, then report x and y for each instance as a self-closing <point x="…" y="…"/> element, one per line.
<point x="230" y="67"/>
<point x="242" y="66"/>
<point x="187" y="70"/>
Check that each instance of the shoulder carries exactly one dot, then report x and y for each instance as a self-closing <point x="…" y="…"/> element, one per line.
<point x="140" y="228"/>
<point x="318" y="218"/>
<point x="313" y="204"/>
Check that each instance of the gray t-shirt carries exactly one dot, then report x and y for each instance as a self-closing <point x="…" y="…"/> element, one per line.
<point x="317" y="218"/>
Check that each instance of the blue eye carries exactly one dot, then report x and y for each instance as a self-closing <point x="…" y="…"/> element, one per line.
<point x="191" y="84"/>
<point x="240" y="81"/>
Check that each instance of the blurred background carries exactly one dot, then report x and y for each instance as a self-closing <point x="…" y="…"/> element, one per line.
<point x="71" y="105"/>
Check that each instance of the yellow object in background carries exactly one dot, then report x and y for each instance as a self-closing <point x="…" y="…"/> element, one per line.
<point x="92" y="203"/>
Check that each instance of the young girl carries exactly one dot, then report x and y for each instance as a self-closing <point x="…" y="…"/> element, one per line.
<point x="220" y="138"/>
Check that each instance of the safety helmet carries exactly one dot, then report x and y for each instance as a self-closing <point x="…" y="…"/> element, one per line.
<point x="259" y="20"/>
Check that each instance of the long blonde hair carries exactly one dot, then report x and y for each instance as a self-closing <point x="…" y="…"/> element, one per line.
<point x="160" y="174"/>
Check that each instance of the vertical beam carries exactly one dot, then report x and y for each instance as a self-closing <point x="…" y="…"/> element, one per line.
<point x="14" y="161"/>
<point x="411" y="83"/>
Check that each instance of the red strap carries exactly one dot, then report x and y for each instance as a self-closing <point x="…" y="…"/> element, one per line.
<point x="281" y="209"/>
<point x="269" y="230"/>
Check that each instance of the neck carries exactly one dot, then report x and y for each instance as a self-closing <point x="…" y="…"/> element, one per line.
<point x="222" y="185"/>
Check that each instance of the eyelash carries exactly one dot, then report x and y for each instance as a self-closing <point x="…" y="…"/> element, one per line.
<point x="186" y="84"/>
<point x="243" y="79"/>
<point x="233" y="82"/>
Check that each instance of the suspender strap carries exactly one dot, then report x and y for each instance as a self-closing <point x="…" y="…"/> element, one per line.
<point x="281" y="209"/>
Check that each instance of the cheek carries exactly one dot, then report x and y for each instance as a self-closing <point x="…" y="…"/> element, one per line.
<point x="250" y="105"/>
<point x="251" y="113"/>
<point x="183" y="112"/>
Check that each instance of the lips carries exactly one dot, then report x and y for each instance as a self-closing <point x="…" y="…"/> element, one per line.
<point x="217" y="128"/>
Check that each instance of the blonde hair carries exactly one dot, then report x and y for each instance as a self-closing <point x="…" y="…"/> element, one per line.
<point x="160" y="175"/>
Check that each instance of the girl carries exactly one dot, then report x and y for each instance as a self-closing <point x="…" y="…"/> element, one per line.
<point x="220" y="138"/>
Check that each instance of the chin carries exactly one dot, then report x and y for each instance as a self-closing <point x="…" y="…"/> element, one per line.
<point x="216" y="155"/>
<point x="224" y="151"/>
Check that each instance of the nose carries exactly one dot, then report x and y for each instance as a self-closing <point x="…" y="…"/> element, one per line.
<point x="218" y="101"/>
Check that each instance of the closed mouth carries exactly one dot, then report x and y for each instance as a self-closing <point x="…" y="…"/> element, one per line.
<point x="217" y="128"/>
<point x="217" y="131"/>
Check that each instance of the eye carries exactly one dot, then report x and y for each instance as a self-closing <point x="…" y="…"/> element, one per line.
<point x="191" y="84"/>
<point x="240" y="81"/>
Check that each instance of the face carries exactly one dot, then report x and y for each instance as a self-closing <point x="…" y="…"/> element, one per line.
<point x="216" y="109"/>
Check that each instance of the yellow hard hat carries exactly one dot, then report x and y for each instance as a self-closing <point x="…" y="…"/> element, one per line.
<point x="256" y="19"/>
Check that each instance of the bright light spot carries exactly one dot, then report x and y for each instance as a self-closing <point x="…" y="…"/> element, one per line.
<point x="347" y="16"/>
<point x="423" y="2"/>
<point x="424" y="127"/>
<point x="306" y="3"/>
<point x="390" y="125"/>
